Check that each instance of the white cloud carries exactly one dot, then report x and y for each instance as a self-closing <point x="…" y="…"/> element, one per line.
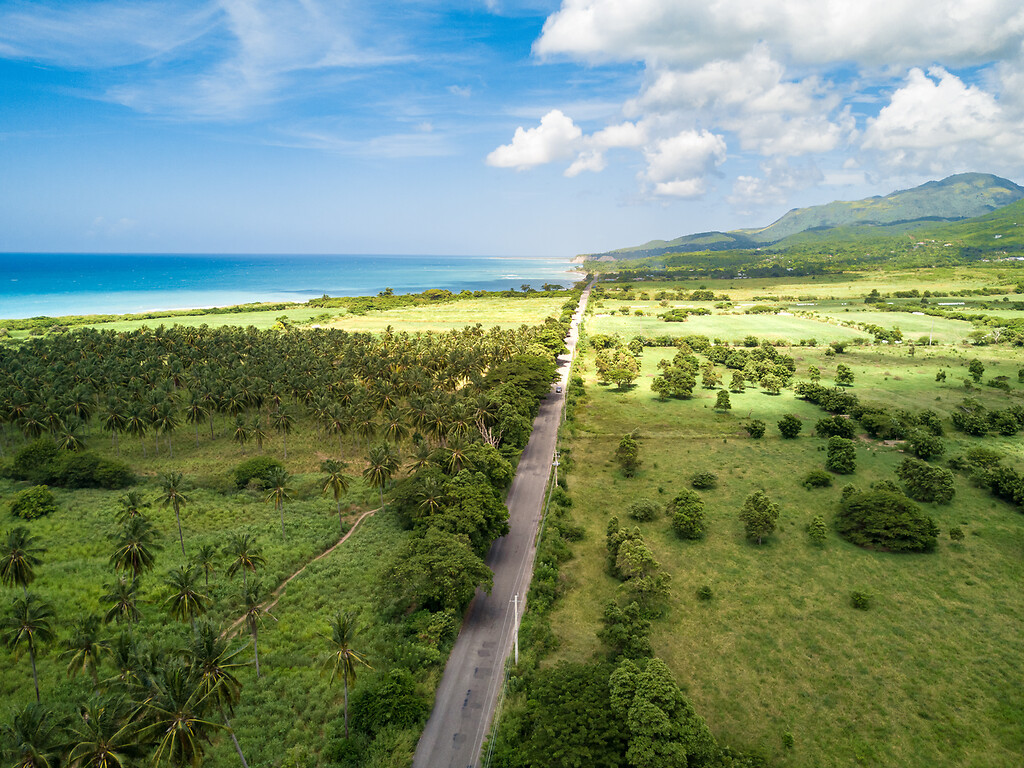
<point x="556" y="138"/>
<point x="779" y="179"/>
<point x="677" y="166"/>
<point x="938" y="121"/>
<point x="588" y="160"/>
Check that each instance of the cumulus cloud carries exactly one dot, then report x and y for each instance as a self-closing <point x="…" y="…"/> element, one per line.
<point x="779" y="178"/>
<point x="677" y="166"/>
<point x="556" y="138"/>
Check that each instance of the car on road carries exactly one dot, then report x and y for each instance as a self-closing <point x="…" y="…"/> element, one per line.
<point x="558" y="390"/>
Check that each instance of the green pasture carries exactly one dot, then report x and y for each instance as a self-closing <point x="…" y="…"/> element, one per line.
<point x="929" y="676"/>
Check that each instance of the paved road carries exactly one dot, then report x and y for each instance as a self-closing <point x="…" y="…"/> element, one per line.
<point x="472" y="680"/>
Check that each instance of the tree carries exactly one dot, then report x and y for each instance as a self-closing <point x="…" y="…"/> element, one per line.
<point x="343" y="658"/>
<point x="626" y="631"/>
<point x="84" y="649"/>
<point x="185" y="602"/>
<point x="737" y="383"/>
<point x="20" y="556"/>
<point x="436" y="571"/>
<point x="790" y="426"/>
<point x="279" y="492"/>
<point x="924" y="482"/>
<point x="245" y="555"/>
<point x="628" y="455"/>
<point x="175" y="717"/>
<point x="106" y="737"/>
<point x="883" y="518"/>
<point x="335" y="483"/>
<point x="123" y="599"/>
<point x="282" y="421"/>
<point x="675" y="381"/>
<point x="205" y="559"/>
<point x="687" y="513"/>
<point x="172" y="485"/>
<point x="759" y="514"/>
<point x="134" y="547"/>
<point x="813" y="373"/>
<point x="28" y="625"/>
<point x="34" y="738"/>
<point x="33" y="503"/>
<point x="382" y="465"/>
<point x="214" y="664"/>
<point x="817" y="532"/>
<point x="842" y="456"/>
<point x="722" y="402"/>
<point x="756" y="429"/>
<point x="976" y="369"/>
<point x="844" y="376"/>
<point x="253" y="599"/>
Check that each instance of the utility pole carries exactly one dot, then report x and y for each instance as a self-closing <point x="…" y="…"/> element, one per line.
<point x="555" y="465"/>
<point x="515" y="623"/>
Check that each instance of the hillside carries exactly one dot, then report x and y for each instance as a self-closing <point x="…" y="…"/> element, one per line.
<point x="953" y="199"/>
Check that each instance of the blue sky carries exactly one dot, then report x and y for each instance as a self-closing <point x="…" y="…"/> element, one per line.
<point x="493" y="127"/>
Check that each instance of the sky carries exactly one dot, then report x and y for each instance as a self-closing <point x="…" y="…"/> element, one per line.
<point x="483" y="126"/>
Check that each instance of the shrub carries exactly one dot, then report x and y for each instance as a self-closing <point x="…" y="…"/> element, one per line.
<point x="88" y="470"/>
<point x="976" y="369"/>
<point x="722" y="401"/>
<point x="883" y="518"/>
<point x="790" y="426"/>
<point x="34" y="502"/>
<point x="259" y="469"/>
<point x="835" y="426"/>
<point x="842" y="456"/>
<point x="844" y="376"/>
<point x="687" y="513"/>
<point x="34" y="462"/>
<point x="860" y="600"/>
<point x="643" y="510"/>
<point x="628" y="455"/>
<point x="756" y="429"/>
<point x="956" y="534"/>
<point x="705" y="593"/>
<point x="704" y="480"/>
<point x="817" y="478"/>
<point x="925" y="446"/>
<point x="388" y="700"/>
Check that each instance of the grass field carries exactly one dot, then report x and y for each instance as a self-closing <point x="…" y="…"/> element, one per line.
<point x="507" y="313"/>
<point x="930" y="676"/>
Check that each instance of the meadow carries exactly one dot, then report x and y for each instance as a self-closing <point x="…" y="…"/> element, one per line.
<point x="778" y="661"/>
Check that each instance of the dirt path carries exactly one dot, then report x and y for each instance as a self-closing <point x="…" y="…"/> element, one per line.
<point x="275" y="596"/>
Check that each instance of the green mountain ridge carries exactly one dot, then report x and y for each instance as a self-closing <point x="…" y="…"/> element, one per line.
<point x="954" y="199"/>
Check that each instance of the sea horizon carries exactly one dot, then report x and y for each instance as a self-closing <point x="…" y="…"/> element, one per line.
<point x="63" y="284"/>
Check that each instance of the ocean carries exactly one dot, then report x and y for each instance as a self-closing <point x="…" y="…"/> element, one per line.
<point x="55" y="284"/>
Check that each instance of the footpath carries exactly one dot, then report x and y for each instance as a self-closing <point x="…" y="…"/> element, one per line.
<point x="472" y="680"/>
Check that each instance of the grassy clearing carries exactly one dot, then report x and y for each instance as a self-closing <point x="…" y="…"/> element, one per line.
<point x="507" y="313"/>
<point x="928" y="677"/>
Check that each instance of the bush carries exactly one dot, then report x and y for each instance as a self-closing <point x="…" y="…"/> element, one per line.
<point x="759" y="514"/>
<point x="88" y="470"/>
<point x="817" y="532"/>
<point x="956" y="534"/>
<point x="835" y="426"/>
<point x="926" y="483"/>
<point x="704" y="480"/>
<point x="259" y="469"/>
<point x="756" y="429"/>
<point x="817" y="478"/>
<point x="924" y="445"/>
<point x="860" y="600"/>
<point x="643" y="510"/>
<point x="790" y="426"/>
<point x="687" y="513"/>
<point x="705" y="593"/>
<point x="842" y="456"/>
<point x="34" y="462"/>
<point x="628" y="455"/>
<point x="883" y="518"/>
<point x="390" y="700"/>
<point x="34" y="502"/>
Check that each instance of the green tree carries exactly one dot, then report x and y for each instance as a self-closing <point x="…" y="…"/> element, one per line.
<point x="283" y="422"/>
<point x="844" y="376"/>
<point x="883" y="518"/>
<point x="343" y="658"/>
<point x="84" y="649"/>
<point x="628" y="455"/>
<point x="106" y="736"/>
<point x="842" y="456"/>
<point x="279" y="493"/>
<point x="135" y="546"/>
<point x="737" y="383"/>
<point x="722" y="401"/>
<point x="686" y="511"/>
<point x="382" y="463"/>
<point x="205" y="559"/>
<point x="175" y="716"/>
<point x="436" y="571"/>
<point x="184" y="600"/>
<point x="976" y="369"/>
<point x="790" y="426"/>
<point x="626" y="631"/>
<point x="817" y="532"/>
<point x="33" y="503"/>
<point x="254" y="599"/>
<point x="244" y="553"/>
<point x="34" y="738"/>
<point x="172" y="485"/>
<point x="215" y="664"/>
<point x="924" y="482"/>
<point x="19" y="557"/>
<point x="759" y="515"/>
<point x="123" y="598"/>
<point x="756" y="429"/>
<point x="28" y="624"/>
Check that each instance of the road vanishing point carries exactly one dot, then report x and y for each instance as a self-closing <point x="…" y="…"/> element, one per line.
<point x="473" y="678"/>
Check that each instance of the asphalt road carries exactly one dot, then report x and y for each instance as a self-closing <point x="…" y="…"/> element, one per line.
<point x="473" y="677"/>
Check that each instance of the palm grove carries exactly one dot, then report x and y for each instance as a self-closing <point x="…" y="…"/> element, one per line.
<point x="145" y="655"/>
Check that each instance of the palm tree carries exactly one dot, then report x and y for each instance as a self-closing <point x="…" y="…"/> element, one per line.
<point x="245" y="554"/>
<point x="195" y="412"/>
<point x="184" y="602"/>
<point x="343" y="658"/>
<point x="84" y="649"/>
<point x="279" y="491"/>
<point x="135" y="546"/>
<point x="68" y="438"/>
<point x="335" y="483"/>
<point x="205" y="559"/>
<point x="253" y="598"/>
<point x="283" y="422"/>
<point x="257" y="432"/>
<point x="171" y="495"/>
<point x="34" y="737"/>
<point x="124" y="598"/>
<point x="27" y="624"/>
<point x="214" y="663"/>
<point x="18" y="558"/>
<point x="131" y="505"/>
<point x="175" y="715"/>
<point x="431" y="496"/>
<point x="107" y="736"/>
<point x="165" y="421"/>
<point x="241" y="433"/>
<point x="382" y="464"/>
<point x="456" y="456"/>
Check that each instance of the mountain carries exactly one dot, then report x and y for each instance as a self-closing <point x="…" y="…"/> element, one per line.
<point x="959" y="197"/>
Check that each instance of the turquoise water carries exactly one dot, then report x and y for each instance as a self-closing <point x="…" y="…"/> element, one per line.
<point x="56" y="284"/>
